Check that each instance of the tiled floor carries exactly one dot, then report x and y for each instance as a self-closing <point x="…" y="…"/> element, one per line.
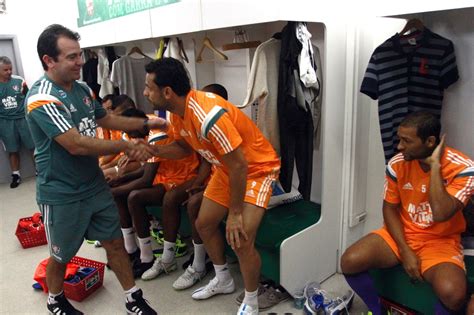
<point x="17" y="266"/>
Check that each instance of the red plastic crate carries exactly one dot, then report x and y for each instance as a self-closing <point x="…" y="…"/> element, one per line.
<point x="79" y="291"/>
<point x="395" y="308"/>
<point x="30" y="238"/>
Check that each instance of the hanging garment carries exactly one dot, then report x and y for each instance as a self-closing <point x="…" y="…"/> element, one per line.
<point x="262" y="90"/>
<point x="408" y="74"/>
<point x="103" y="74"/>
<point x="128" y="74"/>
<point x="89" y="74"/>
<point x="294" y="115"/>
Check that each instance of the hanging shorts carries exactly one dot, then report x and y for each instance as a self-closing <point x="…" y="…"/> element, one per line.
<point x="431" y="252"/>
<point x="257" y="191"/>
<point x="14" y="132"/>
<point x="66" y="225"/>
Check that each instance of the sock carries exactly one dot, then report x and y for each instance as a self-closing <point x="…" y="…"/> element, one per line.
<point x="129" y="240"/>
<point x="129" y="292"/>
<point x="222" y="273"/>
<point x="146" y="252"/>
<point x="440" y="309"/>
<point x="16" y="172"/>
<point x="251" y="298"/>
<point x="52" y="297"/>
<point x="168" y="252"/>
<point x="199" y="262"/>
<point x="364" y="286"/>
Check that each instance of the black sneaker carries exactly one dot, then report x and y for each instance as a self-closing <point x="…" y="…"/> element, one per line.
<point x="209" y="265"/>
<point x="16" y="180"/>
<point x="139" y="305"/>
<point x="139" y="268"/>
<point x="135" y="257"/>
<point x="62" y="306"/>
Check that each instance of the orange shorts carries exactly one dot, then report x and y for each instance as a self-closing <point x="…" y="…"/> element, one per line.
<point x="431" y="252"/>
<point x="257" y="192"/>
<point x="170" y="184"/>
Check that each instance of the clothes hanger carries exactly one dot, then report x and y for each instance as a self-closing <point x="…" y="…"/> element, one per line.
<point x="207" y="43"/>
<point x="412" y="24"/>
<point x="241" y="41"/>
<point x="182" y="52"/>
<point x="136" y="50"/>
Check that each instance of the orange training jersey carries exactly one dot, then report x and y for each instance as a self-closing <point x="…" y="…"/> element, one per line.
<point x="408" y="185"/>
<point x="172" y="171"/>
<point x="214" y="127"/>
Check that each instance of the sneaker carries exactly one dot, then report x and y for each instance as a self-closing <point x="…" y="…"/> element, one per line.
<point x="158" y="268"/>
<point x="135" y="258"/>
<point x="321" y="302"/>
<point x="268" y="296"/>
<point x="62" y="306"/>
<point x="188" y="278"/>
<point x="139" y="268"/>
<point x="246" y="309"/>
<point x="158" y="235"/>
<point x="213" y="288"/>
<point x="16" y="180"/>
<point x="341" y="304"/>
<point x="180" y="250"/>
<point x="97" y="244"/>
<point x="139" y="305"/>
<point x="189" y="262"/>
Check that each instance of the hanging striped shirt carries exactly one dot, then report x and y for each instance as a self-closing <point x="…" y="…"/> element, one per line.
<point x="408" y="74"/>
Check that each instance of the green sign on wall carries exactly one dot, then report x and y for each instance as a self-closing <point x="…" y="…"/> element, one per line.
<point x="95" y="11"/>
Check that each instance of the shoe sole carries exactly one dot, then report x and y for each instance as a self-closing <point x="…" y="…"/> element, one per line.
<point x="225" y="292"/>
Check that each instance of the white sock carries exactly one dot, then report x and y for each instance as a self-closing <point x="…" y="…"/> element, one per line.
<point x="146" y="252"/>
<point x="199" y="262"/>
<point x="168" y="252"/>
<point x="16" y="172"/>
<point x="222" y="273"/>
<point x="251" y="298"/>
<point x="52" y="296"/>
<point x="129" y="240"/>
<point x="128" y="294"/>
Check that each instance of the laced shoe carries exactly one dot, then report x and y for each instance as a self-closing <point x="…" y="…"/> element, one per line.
<point x="213" y="288"/>
<point x="16" y="180"/>
<point x="268" y="296"/>
<point x="188" y="278"/>
<point x="62" y="306"/>
<point x="158" y="268"/>
<point x="140" y="267"/>
<point x="246" y="309"/>
<point x="139" y="305"/>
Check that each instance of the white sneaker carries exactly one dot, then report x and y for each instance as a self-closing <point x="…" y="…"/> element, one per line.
<point x="213" y="288"/>
<point x="246" y="309"/>
<point x="158" y="268"/>
<point x="188" y="278"/>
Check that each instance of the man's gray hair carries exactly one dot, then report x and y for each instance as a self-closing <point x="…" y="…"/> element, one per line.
<point x="5" y="60"/>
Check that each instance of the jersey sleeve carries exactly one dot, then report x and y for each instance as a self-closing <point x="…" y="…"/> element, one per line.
<point x="391" y="191"/>
<point x="50" y="114"/>
<point x="449" y="69"/>
<point x="157" y="138"/>
<point x="370" y="83"/>
<point x="218" y="128"/>
<point x="462" y="186"/>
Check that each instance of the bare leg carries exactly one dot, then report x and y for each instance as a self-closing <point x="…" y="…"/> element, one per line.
<point x="119" y="262"/>
<point x="55" y="272"/>
<point x="194" y="203"/>
<point x="171" y="213"/>
<point x="137" y="202"/>
<point x="14" y="161"/>
<point x="449" y="283"/>
<point x="207" y="224"/>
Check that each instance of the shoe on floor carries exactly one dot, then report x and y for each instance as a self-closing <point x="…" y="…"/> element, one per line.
<point x="139" y="268"/>
<point x="16" y="180"/>
<point x="213" y="288"/>
<point x="139" y="305"/>
<point x="62" y="306"/>
<point x="189" y="278"/>
<point x="158" y="268"/>
<point x="246" y="309"/>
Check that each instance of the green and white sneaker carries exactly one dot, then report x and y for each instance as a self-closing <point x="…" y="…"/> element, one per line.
<point x="180" y="250"/>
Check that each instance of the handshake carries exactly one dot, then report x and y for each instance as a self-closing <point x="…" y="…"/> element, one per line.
<point x="139" y="150"/>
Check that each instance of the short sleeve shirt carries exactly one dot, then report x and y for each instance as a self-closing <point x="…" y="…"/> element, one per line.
<point x="52" y="111"/>
<point x="12" y="94"/>
<point x="214" y="127"/>
<point x="408" y="74"/>
<point x="408" y="185"/>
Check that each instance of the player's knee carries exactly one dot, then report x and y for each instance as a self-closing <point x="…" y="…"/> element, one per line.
<point x="171" y="199"/>
<point x="134" y="197"/>
<point x="246" y="247"/>
<point x="349" y="260"/>
<point x="452" y="294"/>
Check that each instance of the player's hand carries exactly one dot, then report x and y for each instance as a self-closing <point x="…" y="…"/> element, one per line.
<point x="233" y="229"/>
<point x="193" y="190"/>
<point x="139" y="150"/>
<point x="411" y="263"/>
<point x="435" y="157"/>
<point x="158" y="123"/>
<point x="123" y="161"/>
